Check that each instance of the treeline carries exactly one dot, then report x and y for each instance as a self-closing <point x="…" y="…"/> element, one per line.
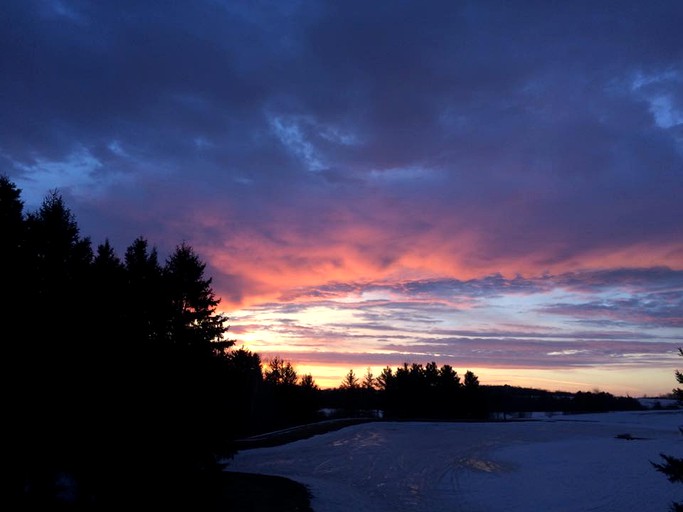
<point x="508" y="400"/>
<point x="429" y="391"/>
<point x="410" y="391"/>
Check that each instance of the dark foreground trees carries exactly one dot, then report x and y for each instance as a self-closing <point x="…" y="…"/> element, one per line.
<point x="117" y="375"/>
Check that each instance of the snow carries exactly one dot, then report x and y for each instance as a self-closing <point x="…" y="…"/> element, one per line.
<point x="592" y="462"/>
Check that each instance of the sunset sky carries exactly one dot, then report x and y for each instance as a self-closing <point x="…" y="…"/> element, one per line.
<point x="494" y="185"/>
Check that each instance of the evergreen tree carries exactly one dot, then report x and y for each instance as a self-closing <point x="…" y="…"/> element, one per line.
<point x="473" y="398"/>
<point x="182" y="368"/>
<point x="15" y="319"/>
<point x="108" y="289"/>
<point x="145" y="316"/>
<point x="15" y="295"/>
<point x="448" y="391"/>
<point x="350" y="381"/>
<point x="280" y="373"/>
<point x="471" y="381"/>
<point x="448" y="378"/>
<point x="672" y="467"/>
<point x="245" y="382"/>
<point x="285" y="399"/>
<point x="369" y="381"/>
<point x="308" y="393"/>
<point x="678" y="392"/>
<point x="385" y="379"/>
<point x="108" y="270"/>
<point x="51" y="403"/>
<point x="11" y="244"/>
<point x="307" y="382"/>
<point x="195" y="322"/>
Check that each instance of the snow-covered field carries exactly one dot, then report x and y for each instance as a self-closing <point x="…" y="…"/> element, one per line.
<point x="560" y="463"/>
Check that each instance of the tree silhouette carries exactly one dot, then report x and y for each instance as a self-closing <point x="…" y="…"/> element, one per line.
<point x="125" y="380"/>
<point x="244" y="384"/>
<point x="385" y="379"/>
<point x="182" y="369"/>
<point x="145" y="305"/>
<point x="19" y="456"/>
<point x="678" y="392"/>
<point x="350" y="381"/>
<point x="307" y="382"/>
<point x="285" y="400"/>
<point x="280" y="373"/>
<point x="309" y="398"/>
<point x="369" y="381"/>
<point x="471" y="381"/>
<point x="448" y="391"/>
<point x="58" y="359"/>
<point x="474" y="403"/>
<point x="11" y="245"/>
<point x="672" y="467"/>
<point x="416" y="390"/>
<point x="194" y="321"/>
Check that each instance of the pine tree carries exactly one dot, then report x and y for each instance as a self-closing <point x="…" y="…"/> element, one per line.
<point x="350" y="381"/>
<point x="145" y="311"/>
<point x="369" y="382"/>
<point x="385" y="379"/>
<point x="280" y="373"/>
<point x="678" y="392"/>
<point x="194" y="321"/>
<point x="51" y="404"/>
<point x="16" y="312"/>
<point x="11" y="240"/>
<point x="672" y="467"/>
<point x="15" y="295"/>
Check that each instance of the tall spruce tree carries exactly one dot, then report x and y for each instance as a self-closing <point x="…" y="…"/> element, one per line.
<point x="194" y="320"/>
<point x="179" y="377"/>
<point x="14" y="316"/>
<point x="11" y="244"/>
<point x="50" y="418"/>
<point x="145" y="312"/>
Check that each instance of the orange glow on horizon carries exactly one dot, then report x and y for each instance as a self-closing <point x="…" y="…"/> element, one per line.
<point x="636" y="382"/>
<point x="647" y="382"/>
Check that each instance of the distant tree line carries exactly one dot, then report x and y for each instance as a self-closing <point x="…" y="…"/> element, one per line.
<point x="430" y="391"/>
<point x="414" y="390"/>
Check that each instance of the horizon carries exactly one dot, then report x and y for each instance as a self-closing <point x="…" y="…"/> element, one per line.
<point x="330" y="377"/>
<point x="491" y="186"/>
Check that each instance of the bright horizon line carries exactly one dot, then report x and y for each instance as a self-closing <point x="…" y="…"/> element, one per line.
<point x="571" y="380"/>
